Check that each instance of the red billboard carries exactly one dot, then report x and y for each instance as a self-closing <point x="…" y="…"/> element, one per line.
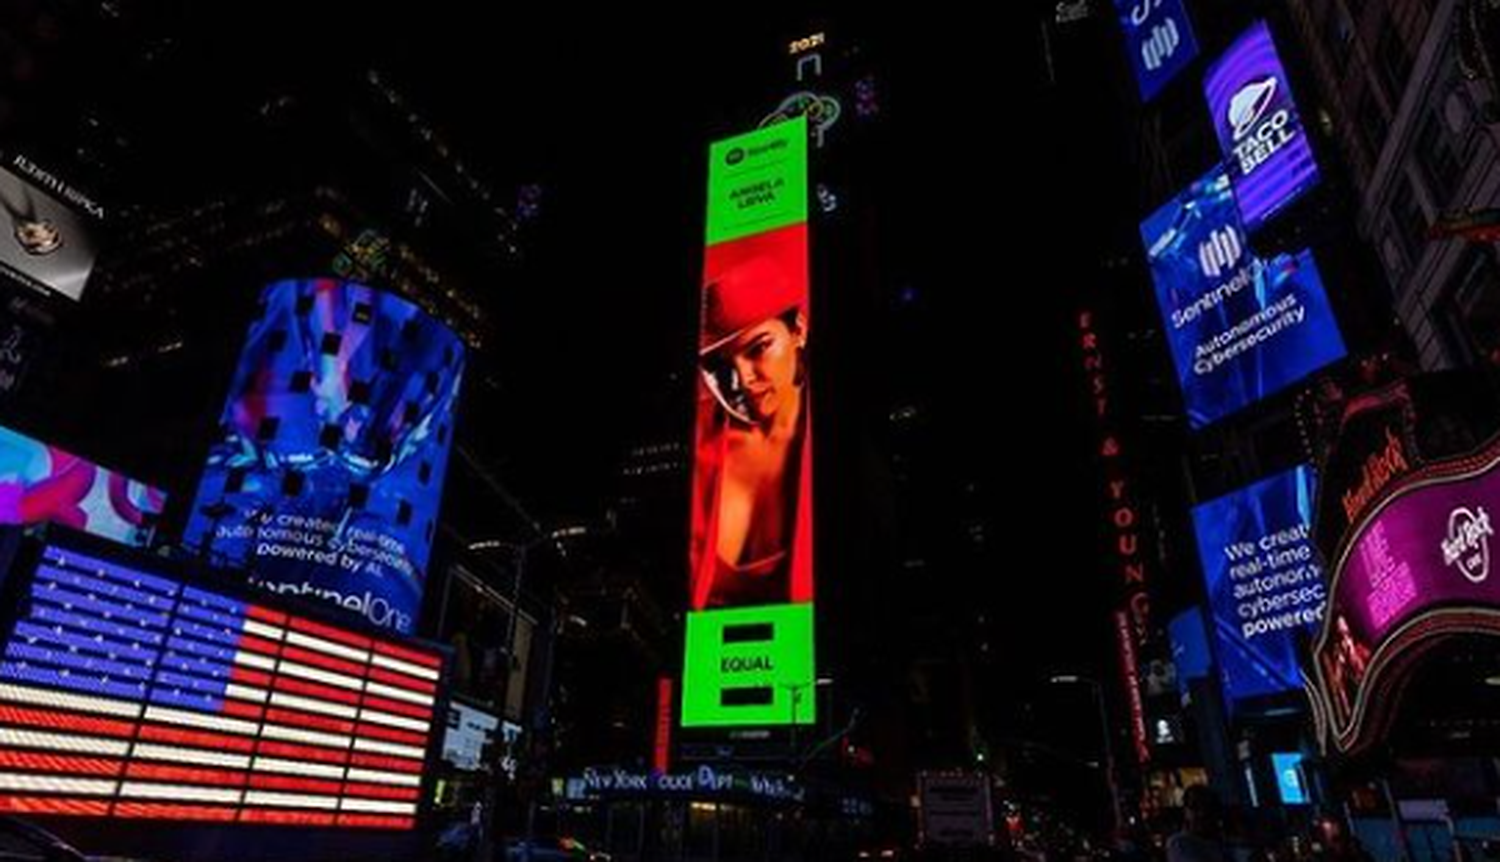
<point x="752" y="489"/>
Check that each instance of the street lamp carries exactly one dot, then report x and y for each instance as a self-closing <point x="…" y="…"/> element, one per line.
<point x="1111" y="777"/>
<point x="519" y="552"/>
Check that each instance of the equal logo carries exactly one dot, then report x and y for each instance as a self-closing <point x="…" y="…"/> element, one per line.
<point x="737" y="667"/>
<point x="749" y="667"/>
<point x="1467" y="546"/>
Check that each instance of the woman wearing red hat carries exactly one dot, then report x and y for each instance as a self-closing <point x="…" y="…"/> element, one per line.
<point x="752" y="499"/>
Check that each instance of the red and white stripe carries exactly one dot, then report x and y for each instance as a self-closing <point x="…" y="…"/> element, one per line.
<point x="319" y="726"/>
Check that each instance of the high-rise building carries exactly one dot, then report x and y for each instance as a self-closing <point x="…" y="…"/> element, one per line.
<point x="1409" y="102"/>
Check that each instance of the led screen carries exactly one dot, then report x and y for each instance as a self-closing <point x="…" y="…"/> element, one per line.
<point x="1159" y="41"/>
<point x="1289" y="786"/>
<point x="1260" y="133"/>
<point x="129" y="693"/>
<point x="1418" y="566"/>
<point x="749" y="666"/>
<point x="329" y="471"/>
<point x="758" y="181"/>
<point x="48" y="245"/>
<point x="1240" y="328"/>
<point x="470" y="731"/>
<point x="42" y="484"/>
<point x="1264" y="581"/>
<point x="751" y="546"/>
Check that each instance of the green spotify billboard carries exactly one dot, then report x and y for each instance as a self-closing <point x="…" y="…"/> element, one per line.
<point x="749" y="666"/>
<point x="749" y="659"/>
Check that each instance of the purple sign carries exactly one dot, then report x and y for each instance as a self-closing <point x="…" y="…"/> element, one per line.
<point x="1418" y="566"/>
<point x="1260" y="133"/>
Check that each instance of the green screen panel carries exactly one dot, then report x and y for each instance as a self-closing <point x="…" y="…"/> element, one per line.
<point x="757" y="181"/>
<point x="749" y="667"/>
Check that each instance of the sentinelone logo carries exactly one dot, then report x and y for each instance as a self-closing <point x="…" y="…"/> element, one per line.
<point x="1164" y="42"/>
<point x="1467" y="545"/>
<point x="1220" y="252"/>
<point x="737" y="155"/>
<point x="374" y="608"/>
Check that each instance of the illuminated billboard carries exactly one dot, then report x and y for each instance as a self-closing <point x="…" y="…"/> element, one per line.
<point x="1264" y="581"/>
<point x="128" y="693"/>
<point x="752" y="518"/>
<point x="49" y="246"/>
<point x="758" y="181"/>
<point x="329" y="471"/>
<point x="749" y="666"/>
<point x="751" y="545"/>
<point x="1240" y="328"/>
<point x="1260" y="133"/>
<point x="42" y="484"/>
<point x="1159" y="41"/>
<point x="1290" y="785"/>
<point x="1416" y="567"/>
<point x="469" y="733"/>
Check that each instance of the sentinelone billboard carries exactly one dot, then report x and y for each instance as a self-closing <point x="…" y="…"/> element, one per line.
<point x="1240" y="328"/>
<point x="749" y="654"/>
<point x="1264" y="582"/>
<point x="42" y="484"/>
<point x="1260" y="132"/>
<point x="1158" y="40"/>
<point x="128" y="693"/>
<point x="327" y="479"/>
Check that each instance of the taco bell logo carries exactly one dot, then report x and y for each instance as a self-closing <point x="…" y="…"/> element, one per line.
<point x="1259" y="132"/>
<point x="1467" y="545"/>
<point x="1250" y="104"/>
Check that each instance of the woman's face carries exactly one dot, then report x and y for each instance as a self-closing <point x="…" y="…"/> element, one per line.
<point x="764" y="357"/>
<point x="38" y="237"/>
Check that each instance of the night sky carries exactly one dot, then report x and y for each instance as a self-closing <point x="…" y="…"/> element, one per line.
<point x="611" y="112"/>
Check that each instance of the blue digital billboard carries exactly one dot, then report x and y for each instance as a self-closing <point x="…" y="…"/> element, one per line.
<point x="1264" y="581"/>
<point x="1159" y="41"/>
<point x="1289" y="786"/>
<point x="326" y="479"/>
<point x="1240" y="328"/>
<point x="1260" y="133"/>
<point x="1189" y="649"/>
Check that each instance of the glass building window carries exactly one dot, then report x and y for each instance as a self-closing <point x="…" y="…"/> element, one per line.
<point x="1409" y="220"/>
<point x="1393" y="61"/>
<point x="1372" y="125"/>
<point x="1440" y="163"/>
<point x="1472" y="307"/>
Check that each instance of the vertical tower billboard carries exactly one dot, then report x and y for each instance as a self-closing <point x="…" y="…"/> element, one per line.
<point x="749" y="657"/>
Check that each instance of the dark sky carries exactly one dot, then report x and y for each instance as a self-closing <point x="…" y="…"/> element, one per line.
<point x="611" y="111"/>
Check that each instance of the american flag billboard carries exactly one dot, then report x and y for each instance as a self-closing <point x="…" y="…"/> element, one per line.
<point x="127" y="692"/>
